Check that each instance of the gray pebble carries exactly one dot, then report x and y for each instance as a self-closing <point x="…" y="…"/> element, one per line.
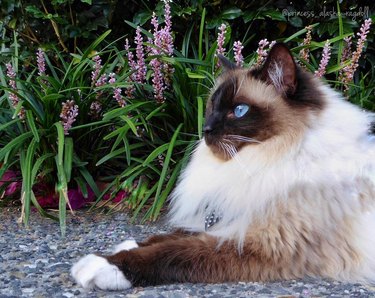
<point x="36" y="262"/>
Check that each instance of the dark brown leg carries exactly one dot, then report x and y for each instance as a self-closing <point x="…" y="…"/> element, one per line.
<point x="179" y="233"/>
<point x="196" y="258"/>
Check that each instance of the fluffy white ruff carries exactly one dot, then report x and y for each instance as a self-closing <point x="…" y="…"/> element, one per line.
<point x="126" y="245"/>
<point x="332" y="162"/>
<point x="95" y="272"/>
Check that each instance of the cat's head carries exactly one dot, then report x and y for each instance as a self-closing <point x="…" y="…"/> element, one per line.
<point x="249" y="107"/>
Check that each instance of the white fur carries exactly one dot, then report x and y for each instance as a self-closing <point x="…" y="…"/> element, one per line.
<point x="276" y="76"/>
<point x="126" y="245"/>
<point x="95" y="272"/>
<point x="333" y="155"/>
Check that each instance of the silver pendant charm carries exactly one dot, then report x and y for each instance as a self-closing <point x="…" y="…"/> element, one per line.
<point x="211" y="219"/>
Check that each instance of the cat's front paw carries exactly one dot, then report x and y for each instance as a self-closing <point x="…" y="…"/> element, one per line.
<point x="93" y="271"/>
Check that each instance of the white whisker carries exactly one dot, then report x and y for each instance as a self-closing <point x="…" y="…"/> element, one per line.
<point x="242" y="138"/>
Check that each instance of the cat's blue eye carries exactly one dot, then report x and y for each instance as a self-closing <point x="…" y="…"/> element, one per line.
<point x="241" y="110"/>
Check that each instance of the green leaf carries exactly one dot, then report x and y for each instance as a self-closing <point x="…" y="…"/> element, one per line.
<point x="154" y="154"/>
<point x="166" y="165"/>
<point x="231" y="13"/>
<point x="95" y="44"/>
<point x="145" y="32"/>
<point x="34" y="11"/>
<point x="40" y="209"/>
<point x="26" y="169"/>
<point x="298" y="33"/>
<point x="129" y="122"/>
<point x="82" y="186"/>
<point x="62" y="189"/>
<point x="31" y="123"/>
<point x="60" y="142"/>
<point x="110" y="156"/>
<point x="90" y="181"/>
<point x="122" y="111"/>
<point x="89" y="2"/>
<point x="274" y="15"/>
<point x="17" y="109"/>
<point x="52" y="97"/>
<point x="168" y="188"/>
<point x="201" y="28"/>
<point x="37" y="165"/>
<point x="5" y="125"/>
<point x="16" y="142"/>
<point x="194" y="75"/>
<point x="155" y="112"/>
<point x="68" y="158"/>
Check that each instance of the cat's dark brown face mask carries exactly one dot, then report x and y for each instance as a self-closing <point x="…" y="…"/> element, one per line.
<point x="250" y="106"/>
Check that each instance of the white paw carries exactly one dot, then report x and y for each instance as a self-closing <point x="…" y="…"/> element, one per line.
<point x="126" y="245"/>
<point x="93" y="271"/>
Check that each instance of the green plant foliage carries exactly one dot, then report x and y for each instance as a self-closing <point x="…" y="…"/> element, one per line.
<point x="139" y="148"/>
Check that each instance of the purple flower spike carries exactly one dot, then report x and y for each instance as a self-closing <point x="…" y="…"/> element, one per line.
<point x="116" y="91"/>
<point x="237" y="49"/>
<point x="141" y="67"/>
<point x="41" y="61"/>
<point x="157" y="80"/>
<point x="326" y="55"/>
<point x="12" y="84"/>
<point x="220" y="42"/>
<point x="97" y="68"/>
<point x="68" y="115"/>
<point x="348" y="71"/>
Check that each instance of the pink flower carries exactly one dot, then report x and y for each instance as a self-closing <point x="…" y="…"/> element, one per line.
<point x="261" y="51"/>
<point x="304" y="53"/>
<point x="101" y="81"/>
<point x="97" y="68"/>
<point x="237" y="49"/>
<point x="163" y="41"/>
<point x="351" y="68"/>
<point x="68" y="115"/>
<point x="220" y="42"/>
<point x="116" y="91"/>
<point x="326" y="55"/>
<point x="41" y="61"/>
<point x="154" y="22"/>
<point x="130" y="56"/>
<point x="347" y="51"/>
<point x="95" y="109"/>
<point x="166" y="32"/>
<point x="157" y="80"/>
<point x="12" y="84"/>
<point x="141" y="67"/>
<point x="133" y="67"/>
<point x="112" y="78"/>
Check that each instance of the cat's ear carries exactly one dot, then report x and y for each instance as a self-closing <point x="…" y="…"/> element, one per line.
<point x="227" y="64"/>
<point x="280" y="70"/>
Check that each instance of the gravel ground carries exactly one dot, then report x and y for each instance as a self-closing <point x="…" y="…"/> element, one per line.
<point x="35" y="262"/>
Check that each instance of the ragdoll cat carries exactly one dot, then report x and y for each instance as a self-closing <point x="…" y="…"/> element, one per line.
<point x="281" y="187"/>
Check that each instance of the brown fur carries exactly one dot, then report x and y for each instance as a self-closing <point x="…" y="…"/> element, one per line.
<point x="282" y="246"/>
